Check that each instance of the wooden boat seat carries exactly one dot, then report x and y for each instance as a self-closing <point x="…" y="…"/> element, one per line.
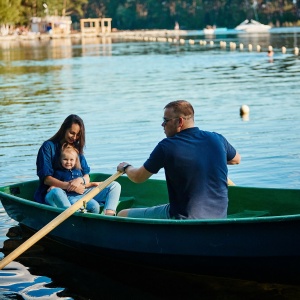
<point x="249" y="214"/>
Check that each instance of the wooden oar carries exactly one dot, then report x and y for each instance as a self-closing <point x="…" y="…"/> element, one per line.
<point x="229" y="181"/>
<point x="56" y="221"/>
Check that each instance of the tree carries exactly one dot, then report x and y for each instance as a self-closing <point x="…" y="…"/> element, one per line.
<point x="160" y="14"/>
<point x="9" y="11"/>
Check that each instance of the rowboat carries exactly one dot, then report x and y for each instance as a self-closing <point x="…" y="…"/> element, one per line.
<point x="262" y="228"/>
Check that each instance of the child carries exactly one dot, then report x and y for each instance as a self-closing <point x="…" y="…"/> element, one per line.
<point x="70" y="169"/>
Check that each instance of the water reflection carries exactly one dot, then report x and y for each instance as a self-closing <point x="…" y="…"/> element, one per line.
<point x="53" y="49"/>
<point x="96" y="46"/>
<point x="262" y="39"/>
<point x="84" y="278"/>
<point x="17" y="280"/>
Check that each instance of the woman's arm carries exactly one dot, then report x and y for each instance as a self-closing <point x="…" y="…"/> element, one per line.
<point x="73" y="186"/>
<point x="51" y="181"/>
<point x="85" y="170"/>
<point x="86" y="179"/>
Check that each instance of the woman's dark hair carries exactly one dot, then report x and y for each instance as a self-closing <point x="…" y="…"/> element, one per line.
<point x="67" y="124"/>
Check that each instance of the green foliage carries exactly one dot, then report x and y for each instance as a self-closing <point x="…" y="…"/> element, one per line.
<point x="9" y="11"/>
<point x="191" y="14"/>
<point x="160" y="14"/>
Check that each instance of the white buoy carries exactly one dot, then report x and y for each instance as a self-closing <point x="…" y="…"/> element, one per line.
<point x="296" y="50"/>
<point x="241" y="47"/>
<point x="283" y="50"/>
<point x="244" y="112"/>
<point x="211" y="43"/>
<point x="223" y="44"/>
<point x="181" y="41"/>
<point x="270" y="48"/>
<point x="250" y="47"/>
<point x="258" y="48"/>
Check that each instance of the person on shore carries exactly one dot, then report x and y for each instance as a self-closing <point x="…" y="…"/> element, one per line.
<point x="72" y="131"/>
<point x="195" y="163"/>
<point x="69" y="169"/>
<point x="270" y="54"/>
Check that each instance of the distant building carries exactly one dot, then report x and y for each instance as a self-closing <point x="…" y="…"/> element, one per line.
<point x="95" y="26"/>
<point x="51" y="24"/>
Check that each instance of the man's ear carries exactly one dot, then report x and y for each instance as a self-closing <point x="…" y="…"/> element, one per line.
<point x="181" y="120"/>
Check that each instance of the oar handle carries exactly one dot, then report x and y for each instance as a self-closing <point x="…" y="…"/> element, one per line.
<point x="56" y="221"/>
<point x="229" y="181"/>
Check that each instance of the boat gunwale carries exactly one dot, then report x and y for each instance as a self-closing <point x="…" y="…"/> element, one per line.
<point x="262" y="219"/>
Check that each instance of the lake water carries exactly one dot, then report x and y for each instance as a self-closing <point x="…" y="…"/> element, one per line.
<point x="119" y="88"/>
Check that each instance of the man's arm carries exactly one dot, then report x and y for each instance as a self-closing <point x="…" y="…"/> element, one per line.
<point x="236" y="160"/>
<point x="137" y="175"/>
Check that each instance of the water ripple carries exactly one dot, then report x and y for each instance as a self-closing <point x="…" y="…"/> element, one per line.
<point x="17" y="280"/>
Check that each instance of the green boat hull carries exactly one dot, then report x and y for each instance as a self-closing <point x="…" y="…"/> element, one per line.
<point x="262" y="225"/>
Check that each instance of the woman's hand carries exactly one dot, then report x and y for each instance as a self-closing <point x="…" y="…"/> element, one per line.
<point x="76" y="184"/>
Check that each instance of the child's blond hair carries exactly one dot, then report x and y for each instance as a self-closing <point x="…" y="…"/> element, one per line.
<point x="67" y="148"/>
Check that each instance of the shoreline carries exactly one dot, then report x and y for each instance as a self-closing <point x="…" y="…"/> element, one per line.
<point x="139" y="34"/>
<point x="161" y="35"/>
<point x="78" y="35"/>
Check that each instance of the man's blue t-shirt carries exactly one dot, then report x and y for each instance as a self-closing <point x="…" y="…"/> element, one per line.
<point x="47" y="162"/>
<point x="195" y="164"/>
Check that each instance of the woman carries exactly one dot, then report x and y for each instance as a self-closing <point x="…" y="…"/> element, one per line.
<point x="72" y="131"/>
